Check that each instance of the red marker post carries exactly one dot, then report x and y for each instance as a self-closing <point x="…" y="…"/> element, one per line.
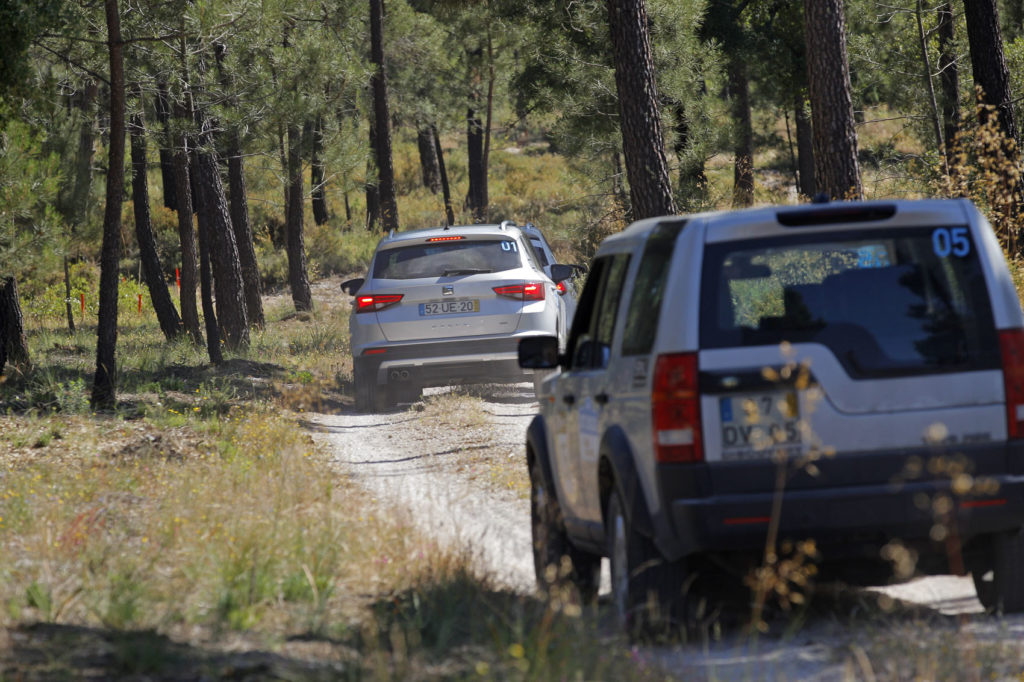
<point x="83" y="303"/>
<point x="140" y="303"/>
<point x="177" y="278"/>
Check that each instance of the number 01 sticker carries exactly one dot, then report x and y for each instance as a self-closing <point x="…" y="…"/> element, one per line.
<point x="951" y="241"/>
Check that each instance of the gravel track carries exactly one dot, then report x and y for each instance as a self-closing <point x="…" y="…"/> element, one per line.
<point x="415" y="466"/>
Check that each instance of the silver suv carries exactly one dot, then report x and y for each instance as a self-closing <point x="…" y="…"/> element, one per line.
<point x="850" y="374"/>
<point x="445" y="306"/>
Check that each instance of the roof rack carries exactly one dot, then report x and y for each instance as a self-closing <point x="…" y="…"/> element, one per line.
<point x="391" y="234"/>
<point x="505" y="224"/>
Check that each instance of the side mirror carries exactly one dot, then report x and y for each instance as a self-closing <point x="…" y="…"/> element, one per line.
<point x="581" y="269"/>
<point x="351" y="286"/>
<point x="538" y="352"/>
<point x="561" y="272"/>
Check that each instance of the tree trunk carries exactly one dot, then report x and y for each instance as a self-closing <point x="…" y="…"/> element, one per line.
<point x="988" y="62"/>
<point x="74" y="197"/>
<point x="318" y="174"/>
<point x="372" y="189"/>
<point x="449" y="212"/>
<point x="929" y="85"/>
<point x="166" y="313"/>
<point x="13" y="346"/>
<point x="163" y="117"/>
<point x="949" y="79"/>
<point x="298" y="276"/>
<point x="743" y="163"/>
<point x="428" y="159"/>
<point x="476" y="199"/>
<point x="186" y="237"/>
<point x="642" y="140"/>
<point x="382" y="119"/>
<point x="67" y="297"/>
<point x="215" y="219"/>
<point x="804" y="146"/>
<point x="213" y="334"/>
<point x="243" y="233"/>
<point x="836" y="169"/>
<point x="104" y="387"/>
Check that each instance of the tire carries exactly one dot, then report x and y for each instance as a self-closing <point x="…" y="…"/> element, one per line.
<point x="371" y="396"/>
<point x="647" y="590"/>
<point x="1003" y="591"/>
<point x="564" y="573"/>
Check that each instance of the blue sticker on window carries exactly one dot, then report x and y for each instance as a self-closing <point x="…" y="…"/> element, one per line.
<point x="509" y="246"/>
<point x="951" y="241"/>
<point x="726" y="409"/>
<point x="872" y="256"/>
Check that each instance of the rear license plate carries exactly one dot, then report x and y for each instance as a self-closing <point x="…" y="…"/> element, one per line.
<point x="450" y="307"/>
<point x="758" y="425"/>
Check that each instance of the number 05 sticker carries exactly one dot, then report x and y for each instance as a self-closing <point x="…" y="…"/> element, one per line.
<point x="947" y="241"/>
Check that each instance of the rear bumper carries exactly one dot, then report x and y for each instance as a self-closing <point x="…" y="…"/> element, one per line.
<point x="852" y="520"/>
<point x="443" y="363"/>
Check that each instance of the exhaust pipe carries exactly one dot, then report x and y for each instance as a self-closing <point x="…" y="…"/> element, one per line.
<point x="399" y="375"/>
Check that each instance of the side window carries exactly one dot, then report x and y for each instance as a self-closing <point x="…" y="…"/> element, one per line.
<point x="586" y="308"/>
<point x="645" y="303"/>
<point x="592" y="345"/>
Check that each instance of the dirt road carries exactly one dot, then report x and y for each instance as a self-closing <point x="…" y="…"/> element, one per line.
<point x="442" y="467"/>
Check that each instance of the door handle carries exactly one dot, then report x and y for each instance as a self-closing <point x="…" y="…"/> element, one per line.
<point x="568" y="399"/>
<point x="601" y="398"/>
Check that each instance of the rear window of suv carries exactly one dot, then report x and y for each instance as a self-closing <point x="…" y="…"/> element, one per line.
<point x="447" y="258"/>
<point x="906" y="302"/>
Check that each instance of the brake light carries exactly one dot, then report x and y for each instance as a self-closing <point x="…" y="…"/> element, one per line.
<point x="1011" y="343"/>
<point x="375" y="302"/>
<point x="453" y="238"/>
<point x="675" y="409"/>
<point x="531" y="291"/>
<point x="561" y="288"/>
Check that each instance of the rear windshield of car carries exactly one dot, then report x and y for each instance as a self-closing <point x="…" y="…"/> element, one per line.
<point x="906" y="303"/>
<point x="441" y="259"/>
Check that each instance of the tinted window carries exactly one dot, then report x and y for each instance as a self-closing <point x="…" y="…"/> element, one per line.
<point x="593" y="344"/>
<point x="886" y="305"/>
<point x="438" y="259"/>
<point x="539" y="250"/>
<point x="586" y="307"/>
<point x="649" y="289"/>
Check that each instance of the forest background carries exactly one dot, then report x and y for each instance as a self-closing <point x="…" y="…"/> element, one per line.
<point x="180" y="175"/>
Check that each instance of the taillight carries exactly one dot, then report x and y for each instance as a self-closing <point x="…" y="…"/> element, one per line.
<point x="375" y="302"/>
<point x="675" y="409"/>
<point x="1011" y="343"/>
<point x="531" y="291"/>
<point x="561" y="288"/>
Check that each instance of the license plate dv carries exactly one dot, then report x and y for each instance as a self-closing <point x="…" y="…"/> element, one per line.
<point x="450" y="307"/>
<point x="757" y="426"/>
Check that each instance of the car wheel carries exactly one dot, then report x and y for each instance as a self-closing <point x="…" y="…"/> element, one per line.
<point x="647" y="590"/>
<point x="371" y="396"/>
<point x="558" y="565"/>
<point x="1001" y="589"/>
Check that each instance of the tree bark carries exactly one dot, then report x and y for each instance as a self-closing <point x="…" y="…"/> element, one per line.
<point x="163" y="117"/>
<point x="215" y="219"/>
<point x="13" y="346"/>
<point x="104" y="387"/>
<point x="372" y="188"/>
<point x="298" y="276"/>
<point x="643" y="143"/>
<point x="922" y="37"/>
<point x="804" y="146"/>
<point x="382" y="119"/>
<point x="186" y="237"/>
<point x="693" y="181"/>
<point x="743" y="147"/>
<point x="69" y="313"/>
<point x="836" y="168"/>
<point x="317" y="173"/>
<point x="428" y="159"/>
<point x="949" y="79"/>
<point x="476" y="199"/>
<point x="988" y="62"/>
<point x="213" y="334"/>
<point x="240" y="223"/>
<point x="449" y="212"/>
<point x="166" y="313"/>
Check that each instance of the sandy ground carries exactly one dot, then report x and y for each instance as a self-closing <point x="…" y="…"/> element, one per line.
<point x="412" y="464"/>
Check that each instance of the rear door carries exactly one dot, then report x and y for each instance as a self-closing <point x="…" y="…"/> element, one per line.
<point x="450" y="287"/>
<point x="820" y="344"/>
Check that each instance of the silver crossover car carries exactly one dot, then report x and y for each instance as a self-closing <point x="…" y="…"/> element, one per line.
<point x="444" y="306"/>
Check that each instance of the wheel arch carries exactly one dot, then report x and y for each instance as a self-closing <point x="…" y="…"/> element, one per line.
<point x="537" y="451"/>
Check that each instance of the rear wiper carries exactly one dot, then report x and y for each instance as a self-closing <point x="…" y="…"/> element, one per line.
<point x="466" y="271"/>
